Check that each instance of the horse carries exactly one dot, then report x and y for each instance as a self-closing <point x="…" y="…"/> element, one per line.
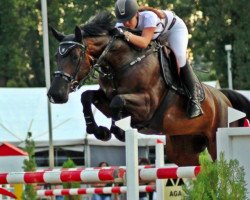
<point x="132" y="84"/>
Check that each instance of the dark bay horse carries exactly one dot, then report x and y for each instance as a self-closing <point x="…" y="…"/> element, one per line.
<point x="131" y="83"/>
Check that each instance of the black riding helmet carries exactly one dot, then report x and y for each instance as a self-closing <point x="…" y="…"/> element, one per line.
<point x="125" y="9"/>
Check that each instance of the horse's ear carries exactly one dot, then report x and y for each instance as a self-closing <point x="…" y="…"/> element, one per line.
<point x="78" y="34"/>
<point x="59" y="36"/>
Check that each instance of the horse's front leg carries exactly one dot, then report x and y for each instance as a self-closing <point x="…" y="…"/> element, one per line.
<point x="95" y="96"/>
<point x="138" y="105"/>
<point x="134" y="105"/>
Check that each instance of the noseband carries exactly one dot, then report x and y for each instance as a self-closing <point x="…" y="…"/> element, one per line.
<point x="63" y="49"/>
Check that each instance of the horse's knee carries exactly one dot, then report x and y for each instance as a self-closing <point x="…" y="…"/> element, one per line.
<point x="85" y="96"/>
<point x="117" y="103"/>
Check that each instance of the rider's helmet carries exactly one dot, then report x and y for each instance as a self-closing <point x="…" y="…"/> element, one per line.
<point x="125" y="9"/>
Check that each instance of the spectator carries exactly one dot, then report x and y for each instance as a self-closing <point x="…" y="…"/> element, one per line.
<point x="145" y="195"/>
<point x="102" y="196"/>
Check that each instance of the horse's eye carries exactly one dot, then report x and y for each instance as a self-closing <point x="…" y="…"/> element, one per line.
<point x="74" y="58"/>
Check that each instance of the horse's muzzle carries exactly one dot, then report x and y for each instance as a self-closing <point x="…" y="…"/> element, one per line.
<point x="59" y="91"/>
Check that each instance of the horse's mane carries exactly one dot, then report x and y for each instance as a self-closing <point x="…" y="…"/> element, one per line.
<point x="100" y="24"/>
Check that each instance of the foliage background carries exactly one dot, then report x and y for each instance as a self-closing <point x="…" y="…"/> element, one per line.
<point x="29" y="165"/>
<point x="212" y="24"/>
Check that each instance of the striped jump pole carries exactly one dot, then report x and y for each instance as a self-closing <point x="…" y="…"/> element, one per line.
<point x="82" y="191"/>
<point x="84" y="176"/>
<point x="152" y="174"/>
<point x="5" y="192"/>
<point x="97" y="176"/>
<point x="91" y="168"/>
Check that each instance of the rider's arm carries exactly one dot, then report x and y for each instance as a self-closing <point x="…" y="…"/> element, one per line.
<point x="143" y="40"/>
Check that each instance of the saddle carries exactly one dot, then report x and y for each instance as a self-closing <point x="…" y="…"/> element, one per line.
<point x="171" y="76"/>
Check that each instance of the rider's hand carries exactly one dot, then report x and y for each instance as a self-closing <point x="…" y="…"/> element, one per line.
<point x="119" y="32"/>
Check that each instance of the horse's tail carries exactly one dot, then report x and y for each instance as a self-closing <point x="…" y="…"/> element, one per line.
<point x="239" y="102"/>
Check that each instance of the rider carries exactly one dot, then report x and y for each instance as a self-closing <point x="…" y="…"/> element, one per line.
<point x="152" y="23"/>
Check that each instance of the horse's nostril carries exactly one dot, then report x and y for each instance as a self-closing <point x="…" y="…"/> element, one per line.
<point x="55" y="97"/>
<point x="51" y="99"/>
<point x="59" y="90"/>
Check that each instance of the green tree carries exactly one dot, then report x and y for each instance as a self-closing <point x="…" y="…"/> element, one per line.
<point x="29" y="165"/>
<point x="21" y="47"/>
<point x="212" y="25"/>
<point x="222" y="180"/>
<point x="10" y="54"/>
<point x="222" y="23"/>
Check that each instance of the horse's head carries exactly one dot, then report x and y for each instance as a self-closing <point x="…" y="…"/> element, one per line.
<point x="76" y="54"/>
<point x="70" y="57"/>
<point x="92" y="45"/>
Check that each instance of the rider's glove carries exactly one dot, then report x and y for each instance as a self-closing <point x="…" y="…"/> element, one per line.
<point x="119" y="32"/>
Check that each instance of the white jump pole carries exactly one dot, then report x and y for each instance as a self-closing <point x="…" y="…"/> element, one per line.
<point x="131" y="137"/>
<point x="159" y="162"/>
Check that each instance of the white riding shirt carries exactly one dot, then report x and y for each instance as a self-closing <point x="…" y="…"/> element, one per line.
<point x="177" y="35"/>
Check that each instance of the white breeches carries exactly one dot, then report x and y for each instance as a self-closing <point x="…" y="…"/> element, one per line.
<point x="177" y="38"/>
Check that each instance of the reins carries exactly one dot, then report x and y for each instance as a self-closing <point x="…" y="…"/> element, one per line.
<point x="96" y="67"/>
<point x="112" y="75"/>
<point x="138" y="59"/>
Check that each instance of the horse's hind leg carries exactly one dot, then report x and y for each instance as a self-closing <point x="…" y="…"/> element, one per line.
<point x="212" y="149"/>
<point x="87" y="98"/>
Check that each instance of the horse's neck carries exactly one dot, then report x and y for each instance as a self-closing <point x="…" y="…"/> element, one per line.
<point x="96" y="45"/>
<point x="121" y="55"/>
<point x="117" y="56"/>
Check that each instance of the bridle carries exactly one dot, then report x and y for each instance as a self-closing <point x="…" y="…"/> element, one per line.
<point x="66" y="46"/>
<point x="63" y="49"/>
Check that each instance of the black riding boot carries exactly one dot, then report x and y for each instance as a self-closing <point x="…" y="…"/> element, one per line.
<point x="188" y="77"/>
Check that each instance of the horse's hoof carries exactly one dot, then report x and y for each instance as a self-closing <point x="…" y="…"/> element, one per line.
<point x="102" y="133"/>
<point x="119" y="133"/>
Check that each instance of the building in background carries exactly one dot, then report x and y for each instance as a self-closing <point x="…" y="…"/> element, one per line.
<point x="24" y="110"/>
